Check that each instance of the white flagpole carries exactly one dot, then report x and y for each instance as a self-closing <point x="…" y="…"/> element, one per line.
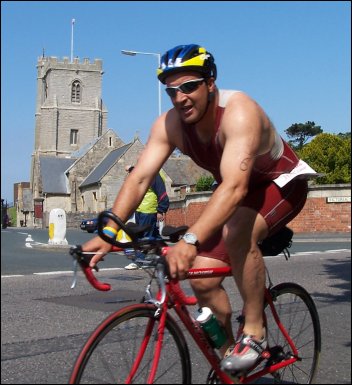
<point x="72" y="24"/>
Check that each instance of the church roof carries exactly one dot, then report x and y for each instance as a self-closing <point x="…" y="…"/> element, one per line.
<point x="53" y="174"/>
<point x="104" y="166"/>
<point x="183" y="171"/>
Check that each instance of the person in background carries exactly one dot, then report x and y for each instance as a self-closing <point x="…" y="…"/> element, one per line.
<point x="151" y="210"/>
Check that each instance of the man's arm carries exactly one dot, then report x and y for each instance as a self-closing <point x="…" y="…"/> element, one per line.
<point x="154" y="155"/>
<point x="158" y="149"/>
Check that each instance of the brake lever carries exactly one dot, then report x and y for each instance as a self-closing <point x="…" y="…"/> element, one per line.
<point x="75" y="268"/>
<point x="87" y="270"/>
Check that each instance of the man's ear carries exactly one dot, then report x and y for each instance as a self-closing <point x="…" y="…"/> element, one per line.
<point x="211" y="88"/>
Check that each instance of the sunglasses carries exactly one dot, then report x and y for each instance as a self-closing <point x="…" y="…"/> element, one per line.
<point x="186" y="87"/>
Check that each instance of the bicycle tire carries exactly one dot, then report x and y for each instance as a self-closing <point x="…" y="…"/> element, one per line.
<point x="299" y="316"/>
<point x="109" y="353"/>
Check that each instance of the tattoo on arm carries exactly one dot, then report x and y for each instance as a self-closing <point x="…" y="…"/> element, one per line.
<point x="244" y="164"/>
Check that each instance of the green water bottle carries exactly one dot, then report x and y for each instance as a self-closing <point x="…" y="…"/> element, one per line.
<point x="212" y="327"/>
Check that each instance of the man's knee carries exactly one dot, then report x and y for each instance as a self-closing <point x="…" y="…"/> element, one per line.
<point x="204" y="286"/>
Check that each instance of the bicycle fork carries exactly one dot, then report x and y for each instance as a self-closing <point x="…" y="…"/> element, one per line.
<point x="161" y="315"/>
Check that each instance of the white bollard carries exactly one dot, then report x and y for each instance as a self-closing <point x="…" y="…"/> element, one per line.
<point x="57" y="227"/>
<point x="29" y="238"/>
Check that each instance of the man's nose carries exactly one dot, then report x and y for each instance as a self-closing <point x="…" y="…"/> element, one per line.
<point x="179" y="97"/>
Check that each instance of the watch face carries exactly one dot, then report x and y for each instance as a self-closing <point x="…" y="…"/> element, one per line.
<point x="190" y="238"/>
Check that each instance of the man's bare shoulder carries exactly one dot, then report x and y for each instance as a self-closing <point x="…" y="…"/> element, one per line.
<point x="236" y="98"/>
<point x="241" y="105"/>
<point x="167" y="127"/>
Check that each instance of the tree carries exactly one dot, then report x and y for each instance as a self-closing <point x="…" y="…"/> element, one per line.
<point x="301" y="133"/>
<point x="344" y="135"/>
<point x="204" y="183"/>
<point x="329" y="154"/>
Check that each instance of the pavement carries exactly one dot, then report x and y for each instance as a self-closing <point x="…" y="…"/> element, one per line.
<point x="297" y="238"/>
<point x="322" y="237"/>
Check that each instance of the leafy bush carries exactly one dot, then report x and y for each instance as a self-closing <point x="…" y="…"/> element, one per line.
<point x="204" y="183"/>
<point x="329" y="154"/>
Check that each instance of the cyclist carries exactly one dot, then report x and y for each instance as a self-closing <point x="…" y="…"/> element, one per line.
<point x="228" y="134"/>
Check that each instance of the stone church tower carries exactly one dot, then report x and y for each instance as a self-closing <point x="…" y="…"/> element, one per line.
<point x="69" y="109"/>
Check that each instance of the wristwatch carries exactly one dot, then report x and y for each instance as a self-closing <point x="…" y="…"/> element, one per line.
<point x="191" y="239"/>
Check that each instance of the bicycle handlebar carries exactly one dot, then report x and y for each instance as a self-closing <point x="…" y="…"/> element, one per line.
<point x="83" y="261"/>
<point x="157" y="247"/>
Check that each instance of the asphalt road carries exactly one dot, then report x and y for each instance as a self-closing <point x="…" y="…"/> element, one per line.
<point x="39" y="257"/>
<point x="44" y="323"/>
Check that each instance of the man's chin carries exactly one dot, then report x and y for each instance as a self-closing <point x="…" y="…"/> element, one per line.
<point x="189" y="117"/>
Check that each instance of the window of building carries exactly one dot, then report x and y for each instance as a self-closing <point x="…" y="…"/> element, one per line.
<point x="45" y="89"/>
<point x="74" y="137"/>
<point x="76" y="92"/>
<point x="110" y="141"/>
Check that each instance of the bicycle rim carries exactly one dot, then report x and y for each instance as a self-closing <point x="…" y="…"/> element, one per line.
<point x="298" y="314"/>
<point x="111" y="351"/>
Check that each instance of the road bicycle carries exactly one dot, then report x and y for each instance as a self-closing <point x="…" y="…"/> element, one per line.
<point x="143" y="343"/>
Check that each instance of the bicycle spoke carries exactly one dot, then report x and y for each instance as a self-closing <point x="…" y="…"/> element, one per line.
<point x="110" y="356"/>
<point x="298" y="315"/>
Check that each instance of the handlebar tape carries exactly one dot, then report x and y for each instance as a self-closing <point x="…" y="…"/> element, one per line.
<point x="87" y="270"/>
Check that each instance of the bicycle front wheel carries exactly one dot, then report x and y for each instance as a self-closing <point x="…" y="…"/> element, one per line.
<point x="112" y="350"/>
<point x="298" y="315"/>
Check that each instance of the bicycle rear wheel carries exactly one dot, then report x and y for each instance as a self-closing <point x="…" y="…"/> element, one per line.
<point x="110" y="352"/>
<point x="298" y="314"/>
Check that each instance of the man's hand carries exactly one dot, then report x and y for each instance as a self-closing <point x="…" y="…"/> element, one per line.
<point x="99" y="246"/>
<point x="180" y="259"/>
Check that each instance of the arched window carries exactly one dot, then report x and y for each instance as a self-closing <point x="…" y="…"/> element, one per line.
<point x="76" y="92"/>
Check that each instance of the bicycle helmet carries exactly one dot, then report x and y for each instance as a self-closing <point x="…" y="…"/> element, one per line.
<point x="191" y="57"/>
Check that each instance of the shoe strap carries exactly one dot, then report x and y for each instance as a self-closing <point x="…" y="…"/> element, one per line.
<point x="249" y="341"/>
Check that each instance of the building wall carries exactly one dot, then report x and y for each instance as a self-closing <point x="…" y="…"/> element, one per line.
<point x="317" y="215"/>
<point x="328" y="209"/>
<point x="85" y="165"/>
<point x="56" y="201"/>
<point x="56" y="114"/>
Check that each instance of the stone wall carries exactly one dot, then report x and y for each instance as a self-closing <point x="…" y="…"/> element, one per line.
<point x="328" y="209"/>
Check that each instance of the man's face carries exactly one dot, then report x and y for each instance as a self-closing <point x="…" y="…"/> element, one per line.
<point x="192" y="103"/>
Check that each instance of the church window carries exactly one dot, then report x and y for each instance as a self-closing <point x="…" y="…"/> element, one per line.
<point x="76" y="91"/>
<point x="74" y="137"/>
<point x="45" y="89"/>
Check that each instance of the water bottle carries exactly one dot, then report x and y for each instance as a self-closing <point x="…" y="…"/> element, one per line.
<point x="212" y="327"/>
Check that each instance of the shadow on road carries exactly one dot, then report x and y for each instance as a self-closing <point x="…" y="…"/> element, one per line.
<point x="338" y="274"/>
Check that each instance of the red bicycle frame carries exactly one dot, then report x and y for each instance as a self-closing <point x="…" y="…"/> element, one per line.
<point x="177" y="299"/>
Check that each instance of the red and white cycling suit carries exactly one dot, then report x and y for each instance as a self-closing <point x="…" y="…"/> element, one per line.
<point x="277" y="205"/>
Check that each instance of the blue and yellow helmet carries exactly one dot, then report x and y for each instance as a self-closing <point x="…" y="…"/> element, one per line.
<point x="191" y="57"/>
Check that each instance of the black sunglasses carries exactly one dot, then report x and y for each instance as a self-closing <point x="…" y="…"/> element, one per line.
<point x="186" y="87"/>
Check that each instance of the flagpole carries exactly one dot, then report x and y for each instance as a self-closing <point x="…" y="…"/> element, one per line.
<point x="72" y="24"/>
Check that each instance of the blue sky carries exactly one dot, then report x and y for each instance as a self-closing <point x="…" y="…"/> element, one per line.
<point x="294" y="58"/>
